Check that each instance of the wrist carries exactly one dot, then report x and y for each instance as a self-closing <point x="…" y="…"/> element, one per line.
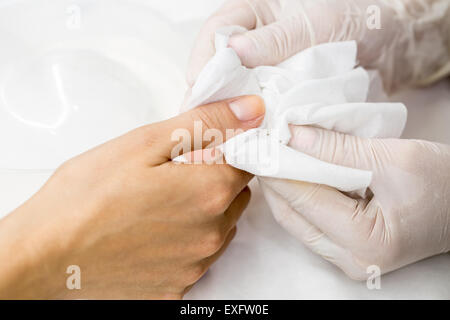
<point x="29" y="255"/>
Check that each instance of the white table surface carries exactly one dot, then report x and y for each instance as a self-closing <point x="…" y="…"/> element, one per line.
<point x="264" y="262"/>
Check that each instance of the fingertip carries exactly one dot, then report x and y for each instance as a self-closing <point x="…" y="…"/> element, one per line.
<point x="245" y="49"/>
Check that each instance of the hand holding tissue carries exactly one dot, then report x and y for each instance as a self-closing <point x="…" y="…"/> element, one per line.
<point x="320" y="86"/>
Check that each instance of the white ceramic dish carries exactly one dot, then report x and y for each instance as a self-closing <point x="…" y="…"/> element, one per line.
<point x="74" y="74"/>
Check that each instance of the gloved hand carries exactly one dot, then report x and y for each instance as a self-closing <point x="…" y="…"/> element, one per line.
<point x="411" y="48"/>
<point x="405" y="218"/>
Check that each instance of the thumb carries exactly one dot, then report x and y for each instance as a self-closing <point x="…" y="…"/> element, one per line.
<point x="273" y="43"/>
<point x="203" y="126"/>
<point x="299" y="25"/>
<point x="337" y="148"/>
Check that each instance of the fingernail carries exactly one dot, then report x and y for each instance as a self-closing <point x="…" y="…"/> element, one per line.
<point x="303" y="138"/>
<point x="248" y="108"/>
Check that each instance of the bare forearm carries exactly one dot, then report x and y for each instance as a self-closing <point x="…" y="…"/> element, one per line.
<point x="28" y="268"/>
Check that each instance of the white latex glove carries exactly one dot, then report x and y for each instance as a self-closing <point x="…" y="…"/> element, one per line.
<point x="405" y="218"/>
<point x="411" y="48"/>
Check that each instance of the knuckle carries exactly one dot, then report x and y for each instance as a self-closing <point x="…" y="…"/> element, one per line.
<point x="194" y="274"/>
<point x="218" y="193"/>
<point x="212" y="243"/>
<point x="212" y="197"/>
<point x="224" y="190"/>
<point x="219" y="201"/>
<point x="208" y="116"/>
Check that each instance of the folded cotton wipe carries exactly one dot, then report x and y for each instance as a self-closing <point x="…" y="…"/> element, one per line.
<point x="320" y="87"/>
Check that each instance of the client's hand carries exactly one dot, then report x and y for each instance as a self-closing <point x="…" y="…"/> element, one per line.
<point x="137" y="224"/>
<point x="405" y="218"/>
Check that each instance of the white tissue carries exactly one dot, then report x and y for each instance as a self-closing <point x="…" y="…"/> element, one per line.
<point x="319" y="87"/>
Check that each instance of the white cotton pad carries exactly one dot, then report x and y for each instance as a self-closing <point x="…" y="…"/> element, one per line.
<point x="320" y="86"/>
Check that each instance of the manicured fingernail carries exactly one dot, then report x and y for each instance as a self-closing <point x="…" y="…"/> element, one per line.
<point x="248" y="108"/>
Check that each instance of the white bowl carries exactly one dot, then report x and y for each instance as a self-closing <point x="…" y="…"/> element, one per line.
<point x="74" y="74"/>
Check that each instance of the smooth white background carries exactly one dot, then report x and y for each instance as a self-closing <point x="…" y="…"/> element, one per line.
<point x="263" y="261"/>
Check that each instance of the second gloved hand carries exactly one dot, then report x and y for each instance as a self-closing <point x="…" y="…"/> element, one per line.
<point x="405" y="218"/>
<point x="408" y="41"/>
